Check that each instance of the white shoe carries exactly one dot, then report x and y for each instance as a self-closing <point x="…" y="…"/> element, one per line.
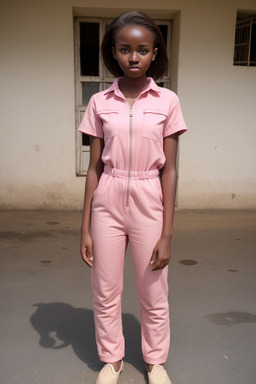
<point x="108" y="375"/>
<point x="158" y="375"/>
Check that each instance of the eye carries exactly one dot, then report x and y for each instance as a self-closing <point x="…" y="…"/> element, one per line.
<point x="124" y="50"/>
<point x="143" y="51"/>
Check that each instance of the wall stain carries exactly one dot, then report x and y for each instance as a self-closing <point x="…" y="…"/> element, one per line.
<point x="231" y="318"/>
<point x="52" y="222"/>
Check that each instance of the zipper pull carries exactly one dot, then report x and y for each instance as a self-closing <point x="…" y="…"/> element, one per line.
<point x="131" y="111"/>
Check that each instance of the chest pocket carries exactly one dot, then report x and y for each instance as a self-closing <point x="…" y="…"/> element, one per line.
<point x="153" y="124"/>
<point x="110" y="120"/>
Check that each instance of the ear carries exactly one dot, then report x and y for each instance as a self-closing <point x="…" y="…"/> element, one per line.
<point x="155" y="50"/>
<point x="114" y="51"/>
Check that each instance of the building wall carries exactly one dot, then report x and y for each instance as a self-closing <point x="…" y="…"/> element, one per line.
<point x="217" y="157"/>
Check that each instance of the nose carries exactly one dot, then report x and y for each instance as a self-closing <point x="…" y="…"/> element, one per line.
<point x="134" y="57"/>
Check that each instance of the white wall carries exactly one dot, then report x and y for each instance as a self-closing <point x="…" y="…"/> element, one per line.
<point x="37" y="148"/>
<point x="37" y="106"/>
<point x="218" y="160"/>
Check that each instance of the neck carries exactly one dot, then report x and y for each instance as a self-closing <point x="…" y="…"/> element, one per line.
<point x="133" y="87"/>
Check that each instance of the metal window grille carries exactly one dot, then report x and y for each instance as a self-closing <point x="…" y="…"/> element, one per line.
<point x="245" y="42"/>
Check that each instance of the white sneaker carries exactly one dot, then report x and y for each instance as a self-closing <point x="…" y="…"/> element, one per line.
<point x="158" y="375"/>
<point x="108" y="375"/>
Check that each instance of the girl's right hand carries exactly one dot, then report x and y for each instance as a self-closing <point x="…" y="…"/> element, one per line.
<point x="86" y="249"/>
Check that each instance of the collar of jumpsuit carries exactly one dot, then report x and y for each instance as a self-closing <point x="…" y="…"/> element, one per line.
<point x="133" y="136"/>
<point x="115" y="88"/>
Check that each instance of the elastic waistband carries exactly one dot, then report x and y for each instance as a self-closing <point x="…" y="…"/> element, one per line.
<point x="136" y="175"/>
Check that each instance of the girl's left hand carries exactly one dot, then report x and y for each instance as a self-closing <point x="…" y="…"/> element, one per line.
<point x="161" y="254"/>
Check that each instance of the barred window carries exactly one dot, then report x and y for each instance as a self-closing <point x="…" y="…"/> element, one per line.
<point x="245" y="40"/>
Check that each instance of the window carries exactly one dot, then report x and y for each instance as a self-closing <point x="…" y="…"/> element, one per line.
<point x="91" y="76"/>
<point x="245" y="40"/>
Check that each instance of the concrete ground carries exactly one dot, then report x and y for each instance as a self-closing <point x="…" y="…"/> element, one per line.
<point x="46" y="318"/>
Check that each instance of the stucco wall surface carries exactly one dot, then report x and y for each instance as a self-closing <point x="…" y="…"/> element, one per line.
<point x="217" y="160"/>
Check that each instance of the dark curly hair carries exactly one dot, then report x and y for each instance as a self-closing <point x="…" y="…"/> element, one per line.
<point x="158" y="67"/>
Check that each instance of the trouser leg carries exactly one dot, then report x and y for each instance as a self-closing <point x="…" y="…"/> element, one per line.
<point x="152" y="292"/>
<point x="152" y="286"/>
<point x="109" y="247"/>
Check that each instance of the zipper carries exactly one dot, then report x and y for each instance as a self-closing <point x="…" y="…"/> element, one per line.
<point x="130" y="158"/>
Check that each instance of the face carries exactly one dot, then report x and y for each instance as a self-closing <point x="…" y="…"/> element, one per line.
<point x="134" y="50"/>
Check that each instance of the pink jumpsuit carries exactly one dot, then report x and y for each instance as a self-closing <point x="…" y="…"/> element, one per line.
<point x="127" y="206"/>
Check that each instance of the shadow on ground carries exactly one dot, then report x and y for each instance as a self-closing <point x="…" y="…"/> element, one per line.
<point x="60" y="325"/>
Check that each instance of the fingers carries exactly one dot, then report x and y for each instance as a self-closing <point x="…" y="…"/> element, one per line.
<point x="158" y="262"/>
<point x="154" y="260"/>
<point x="86" y="248"/>
<point x="89" y="261"/>
<point x="87" y="256"/>
<point x="159" y="265"/>
<point x="161" y="253"/>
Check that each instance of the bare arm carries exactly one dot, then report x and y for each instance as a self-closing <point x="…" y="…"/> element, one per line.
<point x="93" y="175"/>
<point x="162" y="251"/>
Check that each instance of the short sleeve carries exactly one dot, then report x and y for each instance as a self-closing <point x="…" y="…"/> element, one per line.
<point x="91" y="123"/>
<point x="175" y="122"/>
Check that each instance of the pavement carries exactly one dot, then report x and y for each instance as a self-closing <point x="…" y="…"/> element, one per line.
<point x="47" y="334"/>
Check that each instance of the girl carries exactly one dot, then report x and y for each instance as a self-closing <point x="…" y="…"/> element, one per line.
<point x="130" y="192"/>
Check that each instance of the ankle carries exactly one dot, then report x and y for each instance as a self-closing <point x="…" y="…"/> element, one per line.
<point x="151" y="366"/>
<point x="116" y="365"/>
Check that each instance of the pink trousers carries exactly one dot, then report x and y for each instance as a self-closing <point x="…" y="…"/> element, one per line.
<point x="128" y="210"/>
